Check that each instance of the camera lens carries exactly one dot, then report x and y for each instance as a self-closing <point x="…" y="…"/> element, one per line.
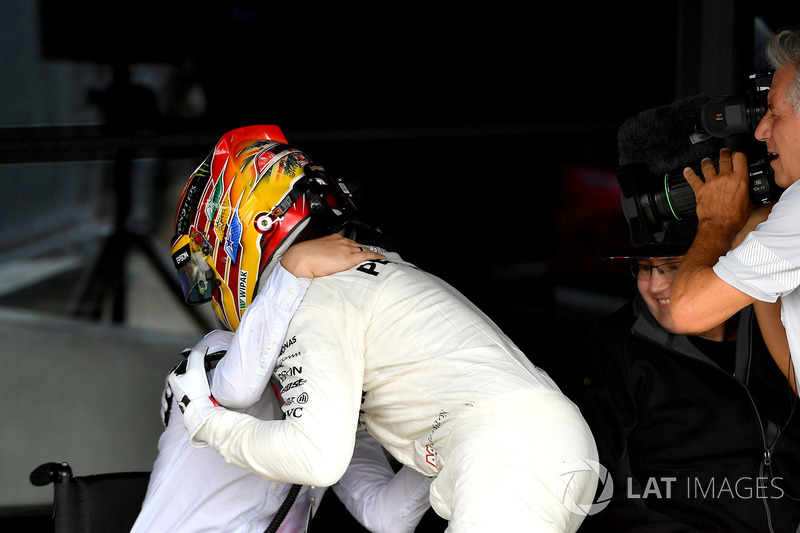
<point x="678" y="198"/>
<point x="673" y="198"/>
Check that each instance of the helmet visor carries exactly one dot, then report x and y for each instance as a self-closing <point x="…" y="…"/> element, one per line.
<point x="196" y="277"/>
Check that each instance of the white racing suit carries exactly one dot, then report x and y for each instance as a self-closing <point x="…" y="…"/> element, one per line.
<point x="437" y="384"/>
<point x="194" y="489"/>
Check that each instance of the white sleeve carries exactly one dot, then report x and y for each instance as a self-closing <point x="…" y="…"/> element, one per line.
<point x="321" y="376"/>
<point x="766" y="265"/>
<point x="379" y="499"/>
<point x="737" y="270"/>
<point x="243" y="374"/>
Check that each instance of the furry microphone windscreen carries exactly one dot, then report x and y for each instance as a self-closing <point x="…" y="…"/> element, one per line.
<point x="662" y="137"/>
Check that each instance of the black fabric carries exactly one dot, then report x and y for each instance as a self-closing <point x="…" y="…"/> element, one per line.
<point x="723" y="353"/>
<point x="678" y="237"/>
<point x="666" y="138"/>
<point x="685" y="441"/>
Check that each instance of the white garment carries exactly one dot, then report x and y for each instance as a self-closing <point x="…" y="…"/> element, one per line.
<point x="244" y="373"/>
<point x="419" y="366"/>
<point x="193" y="489"/>
<point x="766" y="265"/>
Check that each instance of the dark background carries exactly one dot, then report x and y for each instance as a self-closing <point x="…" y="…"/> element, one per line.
<point x="483" y="138"/>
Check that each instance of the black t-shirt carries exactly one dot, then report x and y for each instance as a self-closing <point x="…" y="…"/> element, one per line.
<point x="721" y="352"/>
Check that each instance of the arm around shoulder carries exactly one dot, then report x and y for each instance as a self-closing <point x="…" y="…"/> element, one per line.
<point x="278" y="450"/>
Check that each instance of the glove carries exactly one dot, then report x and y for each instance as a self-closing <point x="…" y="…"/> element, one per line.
<point x="166" y="400"/>
<point x="218" y="340"/>
<point x="189" y="385"/>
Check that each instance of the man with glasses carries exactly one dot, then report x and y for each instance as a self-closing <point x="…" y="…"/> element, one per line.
<point x="698" y="433"/>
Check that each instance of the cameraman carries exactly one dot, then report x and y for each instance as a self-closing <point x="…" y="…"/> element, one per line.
<point x="677" y="418"/>
<point x="719" y="276"/>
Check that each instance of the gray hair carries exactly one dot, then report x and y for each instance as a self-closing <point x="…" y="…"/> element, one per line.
<point x="783" y="50"/>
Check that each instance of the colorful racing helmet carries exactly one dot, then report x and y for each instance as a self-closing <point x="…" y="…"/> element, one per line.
<point x="251" y="198"/>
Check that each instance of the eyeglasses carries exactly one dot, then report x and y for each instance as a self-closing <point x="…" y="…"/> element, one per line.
<point x="644" y="272"/>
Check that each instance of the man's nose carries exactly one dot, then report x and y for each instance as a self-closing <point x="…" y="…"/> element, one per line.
<point x="764" y="128"/>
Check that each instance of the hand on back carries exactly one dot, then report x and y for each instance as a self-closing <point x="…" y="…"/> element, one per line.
<point x="325" y="255"/>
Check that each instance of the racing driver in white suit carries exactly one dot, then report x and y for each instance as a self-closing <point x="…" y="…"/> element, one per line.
<point x="194" y="489"/>
<point x="383" y="345"/>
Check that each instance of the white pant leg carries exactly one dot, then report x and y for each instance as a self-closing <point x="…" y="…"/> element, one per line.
<point x="505" y="466"/>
